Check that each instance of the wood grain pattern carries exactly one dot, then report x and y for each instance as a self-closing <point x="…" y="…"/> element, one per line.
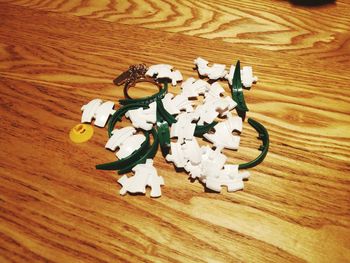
<point x="55" y="207"/>
<point x="277" y="25"/>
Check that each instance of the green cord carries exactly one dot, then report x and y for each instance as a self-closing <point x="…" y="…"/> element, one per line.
<point x="201" y="129"/>
<point x="151" y="152"/>
<point x="117" y="116"/>
<point x="264" y="148"/>
<point x="163" y="120"/>
<point x="170" y="119"/>
<point x="147" y="100"/>
<point x="132" y="158"/>
<point x="164" y="137"/>
<point x="237" y="92"/>
<point x="127" y="160"/>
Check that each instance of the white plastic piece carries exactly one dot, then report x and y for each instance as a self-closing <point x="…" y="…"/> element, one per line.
<point x="175" y="77"/>
<point x="229" y="105"/>
<point x="201" y="64"/>
<point x="229" y="177"/>
<point x="130" y="145"/>
<point x="247" y="77"/>
<point x="245" y="175"/>
<point x="215" y="90"/>
<point x="164" y="71"/>
<point x="214" y="95"/>
<point x="216" y="71"/>
<point x="193" y="88"/>
<point x="174" y="105"/>
<point x="223" y="137"/>
<point x="231" y="171"/>
<point x="195" y="171"/>
<point x="177" y="155"/>
<point x="215" y="102"/>
<point x="207" y="113"/>
<point x="143" y="118"/>
<point x="182" y="103"/>
<point x="215" y="184"/>
<point x="168" y="106"/>
<point x="145" y="175"/>
<point x="97" y="110"/>
<point x="215" y="174"/>
<point x="119" y="136"/>
<point x="211" y="164"/>
<point x="183" y="129"/>
<point x="229" y="75"/>
<point x="212" y="107"/>
<point x="232" y="123"/>
<point x="192" y="151"/>
<point x="154" y="69"/>
<point x="89" y="110"/>
<point x="102" y="113"/>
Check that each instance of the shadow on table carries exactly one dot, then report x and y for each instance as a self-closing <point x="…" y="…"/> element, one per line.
<point x="312" y="2"/>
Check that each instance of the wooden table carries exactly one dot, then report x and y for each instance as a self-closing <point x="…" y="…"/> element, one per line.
<point x="57" y="55"/>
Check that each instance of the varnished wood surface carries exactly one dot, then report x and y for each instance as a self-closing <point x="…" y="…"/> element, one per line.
<point x="55" y="207"/>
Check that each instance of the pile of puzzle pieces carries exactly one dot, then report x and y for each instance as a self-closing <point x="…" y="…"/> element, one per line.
<point x="207" y="163"/>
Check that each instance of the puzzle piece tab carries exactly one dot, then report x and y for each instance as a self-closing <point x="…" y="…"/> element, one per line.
<point x="143" y="118"/>
<point x="174" y="105"/>
<point x="192" y="88"/>
<point x="214" y="72"/>
<point x="164" y="71"/>
<point x="145" y="175"/>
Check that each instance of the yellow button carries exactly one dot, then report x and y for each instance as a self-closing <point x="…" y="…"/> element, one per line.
<point x="81" y="133"/>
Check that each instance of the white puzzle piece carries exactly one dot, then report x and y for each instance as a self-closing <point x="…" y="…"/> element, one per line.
<point x="229" y="177"/>
<point x="119" y="136"/>
<point x="192" y="151"/>
<point x="192" y="88"/>
<point x="143" y="118"/>
<point x="223" y="137"/>
<point x="216" y="71"/>
<point x="164" y="71"/>
<point x="175" y="104"/>
<point x="130" y="145"/>
<point x="247" y="77"/>
<point x="89" y="110"/>
<point x="183" y="129"/>
<point x="145" y="175"/>
<point x="177" y="155"/>
<point x="103" y="112"/>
